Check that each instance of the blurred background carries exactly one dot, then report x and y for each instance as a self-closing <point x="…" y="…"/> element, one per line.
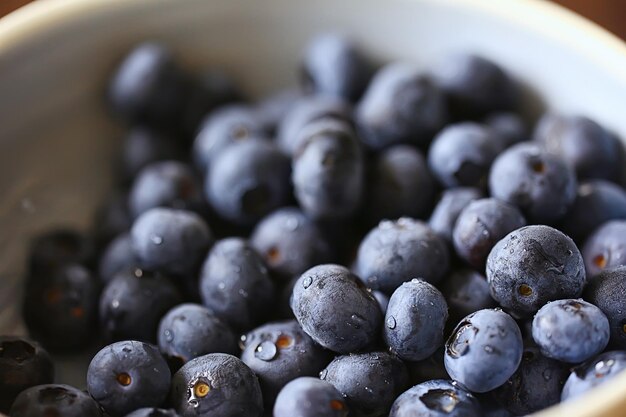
<point x="610" y="14"/>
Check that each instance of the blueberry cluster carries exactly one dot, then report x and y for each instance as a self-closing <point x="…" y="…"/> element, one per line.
<point x="377" y="242"/>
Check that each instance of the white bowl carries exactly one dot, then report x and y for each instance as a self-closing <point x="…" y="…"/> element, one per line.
<point x="57" y="141"/>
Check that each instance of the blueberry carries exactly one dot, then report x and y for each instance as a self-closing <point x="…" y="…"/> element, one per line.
<point x="535" y="385"/>
<point x="249" y="180"/>
<point x="235" y="284"/>
<point x="570" y="330"/>
<point x="607" y="291"/>
<point x="447" y="210"/>
<point x="222" y="128"/>
<point x="54" y="400"/>
<point x="509" y="128"/>
<point x="116" y="257"/>
<point x="113" y="218"/>
<point x="305" y="111"/>
<point x="328" y="170"/>
<point x="586" y="146"/>
<point x="537" y="182"/>
<point x="335" y="66"/>
<point x="334" y="308"/>
<point x="216" y="384"/>
<point x="369" y="382"/>
<point x="436" y="398"/>
<point x="480" y="226"/>
<point x="427" y="369"/>
<point x="596" y="203"/>
<point x="476" y="86"/>
<point x="594" y="372"/>
<point x="153" y="412"/>
<point x="166" y="184"/>
<point x="415" y="320"/>
<point x="61" y="307"/>
<point x="170" y="240"/>
<point x="466" y="291"/>
<point x="290" y="242"/>
<point x="605" y="247"/>
<point x="383" y="300"/>
<point x="399" y="185"/>
<point x="279" y="352"/>
<point x="128" y="375"/>
<point x="23" y="364"/>
<point x="58" y="248"/>
<point x="462" y="153"/>
<point x="400" y="105"/>
<point x="310" y="397"/>
<point x="398" y="251"/>
<point x="272" y="109"/>
<point x="484" y="350"/>
<point x="534" y="265"/>
<point x="133" y="302"/>
<point x="148" y="88"/>
<point x="191" y="330"/>
<point x="144" y="146"/>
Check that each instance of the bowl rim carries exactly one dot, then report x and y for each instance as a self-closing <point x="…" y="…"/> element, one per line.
<point x="606" y="49"/>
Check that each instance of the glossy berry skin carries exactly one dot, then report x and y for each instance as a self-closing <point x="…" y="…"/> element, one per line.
<point x="222" y="128"/>
<point x="597" y="202"/>
<point x="476" y="86"/>
<point x="587" y="147"/>
<point x="484" y="350"/>
<point x="398" y="251"/>
<point x="132" y="304"/>
<point x="594" y="372"/>
<point x="540" y="184"/>
<point x="166" y="184"/>
<point x="333" y="65"/>
<point x="310" y="397"/>
<point x="399" y="185"/>
<point x="128" y="375"/>
<point x="480" y="226"/>
<point x="278" y="352"/>
<point x="415" y="320"/>
<point x="436" y="398"/>
<point x="216" y="384"/>
<point x="290" y="242"/>
<point x="607" y="291"/>
<point x="23" y="364"/>
<point x="369" y="382"/>
<point x="509" y="128"/>
<point x="58" y="248"/>
<point x="534" y="265"/>
<point x="54" y="400"/>
<point x="304" y="111"/>
<point x="235" y="284"/>
<point x="249" y="180"/>
<point x="61" y="308"/>
<point x="144" y="146"/>
<point x="400" y="105"/>
<point x="116" y="257"/>
<point x="334" y="308"/>
<point x="466" y="291"/>
<point x="605" y="247"/>
<point x="328" y="170"/>
<point x="462" y="153"/>
<point x="170" y="240"/>
<point x="191" y="330"/>
<point x="447" y="210"/>
<point x="535" y="385"/>
<point x="148" y="88"/>
<point x="153" y="412"/>
<point x="570" y="330"/>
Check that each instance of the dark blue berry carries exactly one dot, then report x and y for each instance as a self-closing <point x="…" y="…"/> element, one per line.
<point x="310" y="397"/>
<point x="607" y="290"/>
<point x="153" y="412"/>
<point x="447" y="210"/>
<point x="54" y="400"/>
<point x="509" y="128"/>
<point x="272" y="109"/>
<point x="58" y="248"/>
<point x="605" y="247"/>
<point x="436" y="398"/>
<point x="116" y="257"/>
<point x="466" y="291"/>
<point x="594" y="372"/>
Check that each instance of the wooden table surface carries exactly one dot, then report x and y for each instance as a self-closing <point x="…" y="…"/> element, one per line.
<point x="609" y="13"/>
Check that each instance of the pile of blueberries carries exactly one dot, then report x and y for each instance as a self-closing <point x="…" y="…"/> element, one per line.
<point x="379" y="241"/>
